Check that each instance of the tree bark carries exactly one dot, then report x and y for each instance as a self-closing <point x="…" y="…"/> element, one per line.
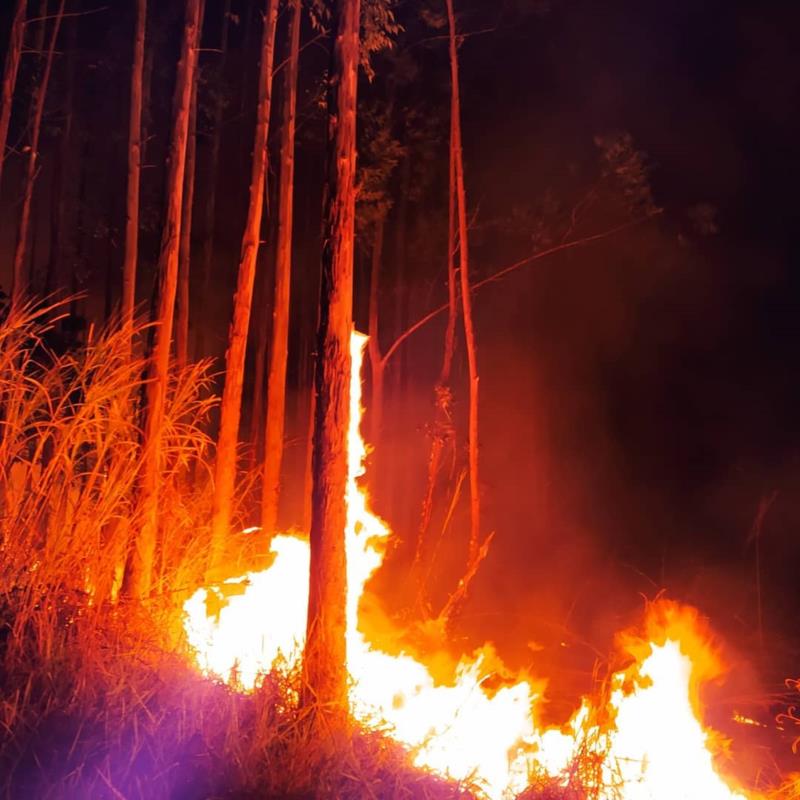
<point x="443" y="432"/>
<point x="457" y="160"/>
<point x="279" y="347"/>
<point x="185" y="256"/>
<point x="10" y="75"/>
<point x="210" y="196"/>
<point x="261" y="332"/>
<point x="325" y="667"/>
<point x="376" y="362"/>
<point x="230" y="410"/>
<point x="58" y="229"/>
<point x="18" y="285"/>
<point x="134" y="171"/>
<point x="139" y="570"/>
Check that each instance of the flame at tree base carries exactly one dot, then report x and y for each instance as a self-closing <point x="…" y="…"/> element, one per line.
<point x="645" y="741"/>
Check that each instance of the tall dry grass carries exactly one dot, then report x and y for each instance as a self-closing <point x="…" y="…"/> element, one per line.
<point x="98" y="698"/>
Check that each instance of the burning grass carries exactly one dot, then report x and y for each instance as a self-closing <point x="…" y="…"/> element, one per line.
<point x="112" y="714"/>
<point x="99" y="698"/>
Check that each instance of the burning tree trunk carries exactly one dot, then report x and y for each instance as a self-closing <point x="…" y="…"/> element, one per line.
<point x="18" y="276"/>
<point x="10" y="75"/>
<point x="185" y="255"/>
<point x="276" y="381"/>
<point x="325" y="651"/>
<point x="457" y="173"/>
<point x="138" y="577"/>
<point x="210" y="196"/>
<point x="134" y="170"/>
<point x="230" y="412"/>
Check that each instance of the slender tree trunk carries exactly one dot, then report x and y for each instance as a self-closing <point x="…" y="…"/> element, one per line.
<point x="456" y="156"/>
<point x="279" y="349"/>
<point x="18" y="286"/>
<point x="230" y="410"/>
<point x="262" y="330"/>
<point x="209" y="207"/>
<point x="139" y="570"/>
<point x="10" y="75"/>
<point x="397" y="495"/>
<point x="58" y="230"/>
<point x="376" y="362"/>
<point x="308" y="465"/>
<point x="443" y="433"/>
<point x="401" y="256"/>
<point x="185" y="257"/>
<point x="111" y="262"/>
<point x="325" y="651"/>
<point x="134" y="171"/>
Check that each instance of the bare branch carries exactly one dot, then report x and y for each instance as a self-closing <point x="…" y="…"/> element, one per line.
<point x="570" y="245"/>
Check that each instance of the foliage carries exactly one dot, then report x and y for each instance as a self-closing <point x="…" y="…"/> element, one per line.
<point x="379" y="27"/>
<point x="379" y="154"/>
<point x="629" y="168"/>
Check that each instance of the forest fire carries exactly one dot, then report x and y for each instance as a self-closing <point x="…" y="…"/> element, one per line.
<point x="564" y="229"/>
<point x="644" y="741"/>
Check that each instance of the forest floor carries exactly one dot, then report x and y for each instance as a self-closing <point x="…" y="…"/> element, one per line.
<point x="107" y="704"/>
<point x="107" y="710"/>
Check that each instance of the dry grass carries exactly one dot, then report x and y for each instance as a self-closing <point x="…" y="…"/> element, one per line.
<point x="97" y="697"/>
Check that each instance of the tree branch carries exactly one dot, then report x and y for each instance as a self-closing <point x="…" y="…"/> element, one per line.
<point x="570" y="245"/>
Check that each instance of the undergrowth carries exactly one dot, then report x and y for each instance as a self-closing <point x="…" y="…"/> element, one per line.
<point x="98" y="698"/>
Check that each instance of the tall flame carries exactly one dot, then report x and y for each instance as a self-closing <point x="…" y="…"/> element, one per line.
<point x="651" y="746"/>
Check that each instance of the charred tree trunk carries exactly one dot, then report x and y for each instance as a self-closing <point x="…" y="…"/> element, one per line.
<point x="324" y="663"/>
<point x="185" y="256"/>
<point x="18" y="286"/>
<point x="376" y="361"/>
<point x="279" y="347"/>
<point x="139" y="570"/>
<point x="209" y="207"/>
<point x="457" y="160"/>
<point x="134" y="171"/>
<point x="230" y="410"/>
<point x="10" y="75"/>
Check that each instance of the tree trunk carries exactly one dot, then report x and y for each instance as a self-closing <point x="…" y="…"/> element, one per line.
<point x="374" y="347"/>
<point x="443" y="432"/>
<point x="139" y="570"/>
<point x="10" y="75"/>
<point x="457" y="160"/>
<point x="325" y="667"/>
<point x="18" y="285"/>
<point x="185" y="256"/>
<point x="279" y="348"/>
<point x="58" y="229"/>
<point x="134" y="171"/>
<point x="210" y="196"/>
<point x="230" y="410"/>
<point x="261" y="332"/>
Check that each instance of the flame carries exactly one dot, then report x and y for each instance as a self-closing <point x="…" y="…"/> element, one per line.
<point x="646" y="739"/>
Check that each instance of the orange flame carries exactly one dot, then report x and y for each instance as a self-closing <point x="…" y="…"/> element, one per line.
<point x="651" y="746"/>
